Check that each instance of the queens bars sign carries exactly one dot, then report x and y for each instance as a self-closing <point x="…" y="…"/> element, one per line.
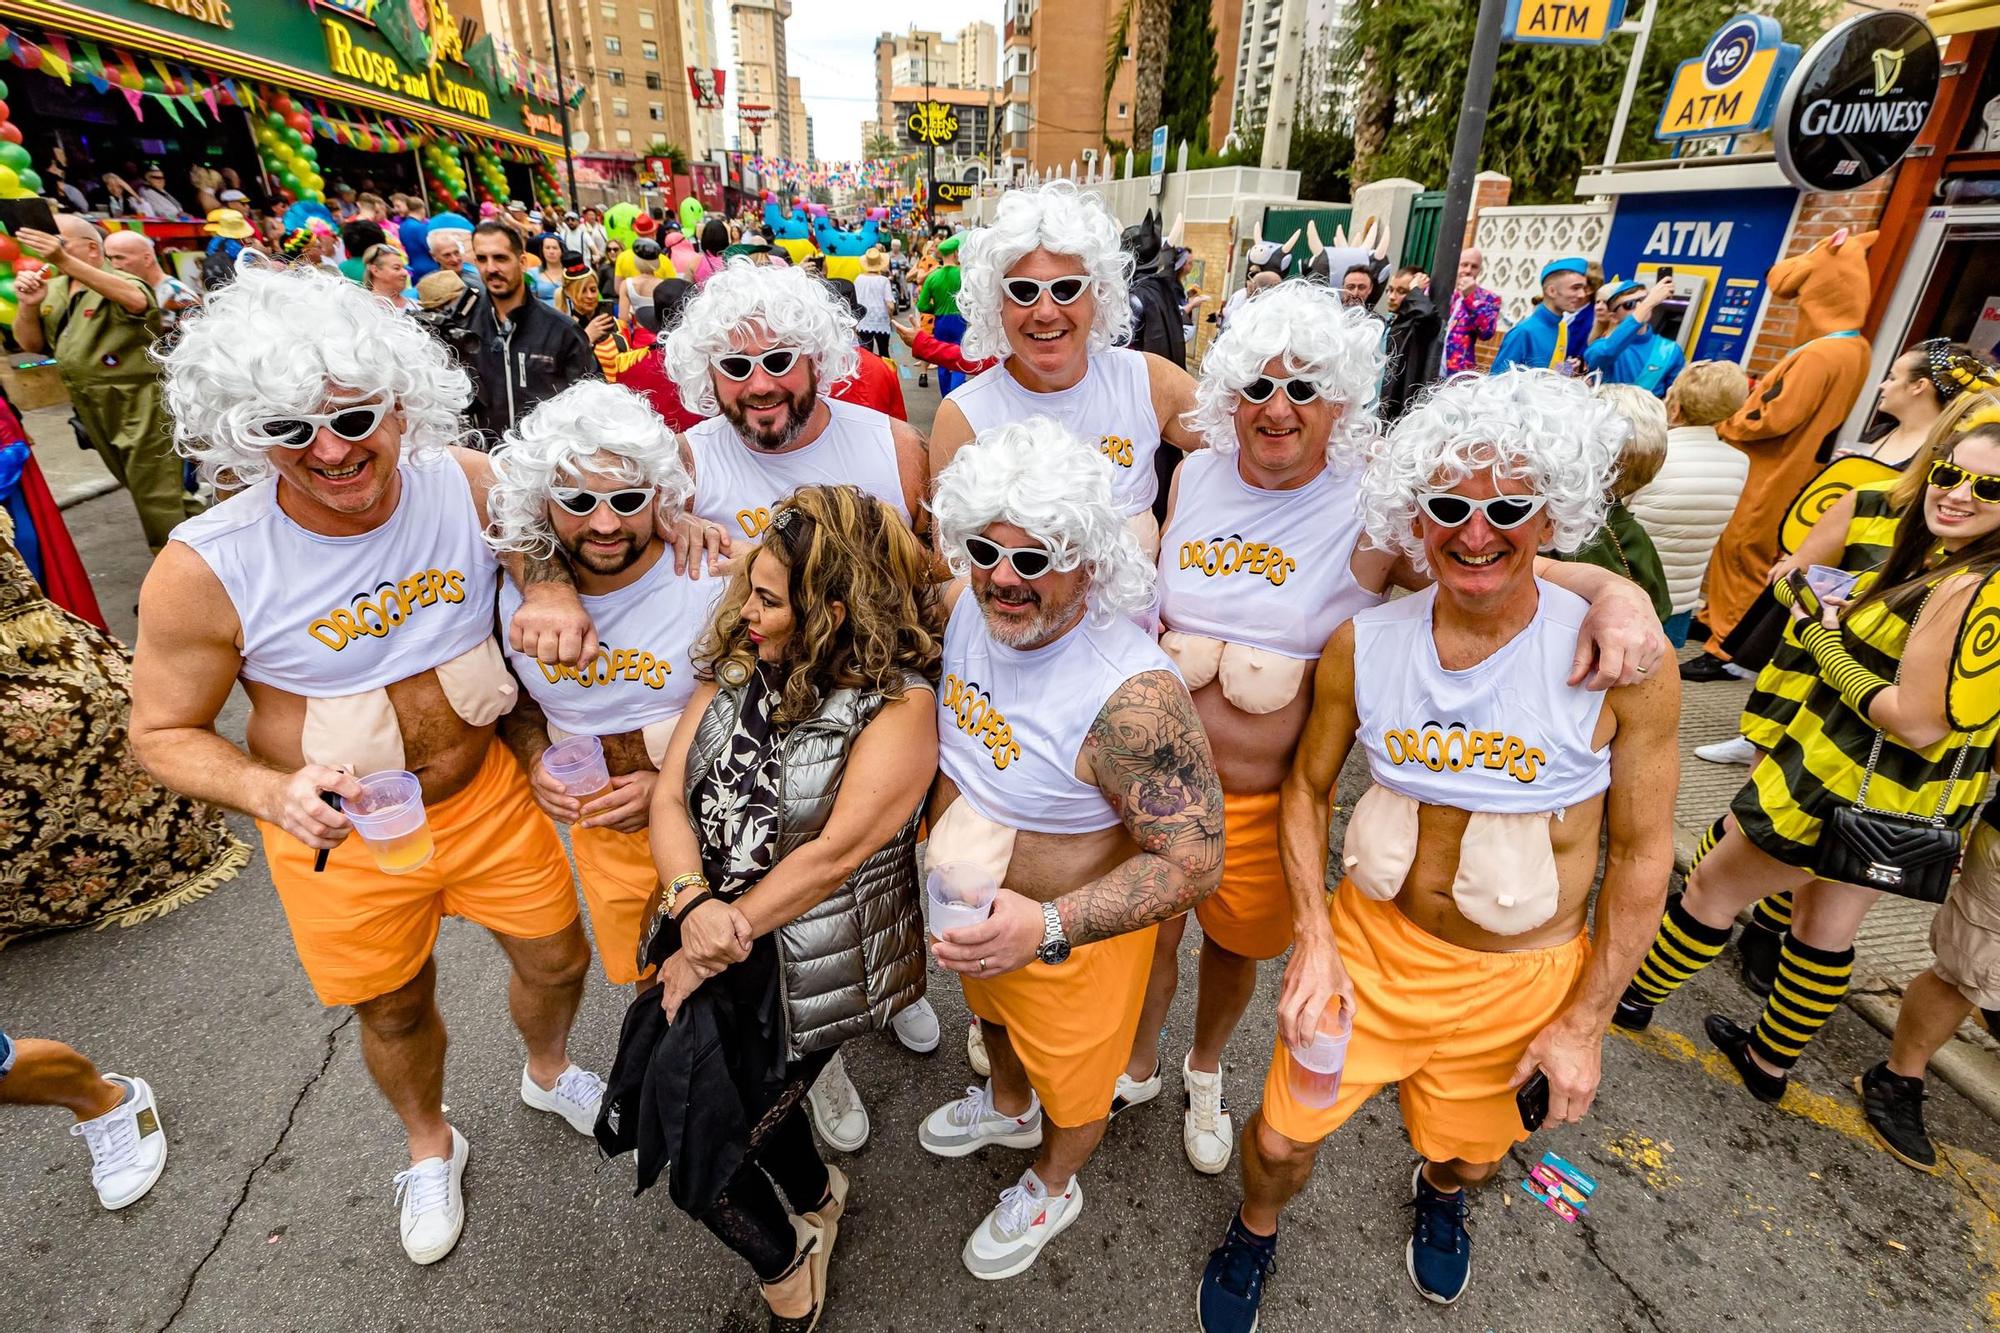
<point x="1857" y="101"/>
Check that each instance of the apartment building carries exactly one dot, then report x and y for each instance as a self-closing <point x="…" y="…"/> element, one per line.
<point x="802" y="135"/>
<point x="1057" y="109"/>
<point x="1323" y="89"/>
<point x="631" y="57"/>
<point x="967" y="60"/>
<point x="761" y="75"/>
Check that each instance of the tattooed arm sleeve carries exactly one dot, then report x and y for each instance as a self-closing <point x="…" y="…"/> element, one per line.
<point x="1150" y="757"/>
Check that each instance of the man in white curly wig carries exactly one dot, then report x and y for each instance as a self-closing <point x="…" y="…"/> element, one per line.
<point x="1453" y="959"/>
<point x="756" y="351"/>
<point x="349" y="588"/>
<point x="1262" y="559"/>
<point x="1074" y="773"/>
<point x="1047" y="288"/>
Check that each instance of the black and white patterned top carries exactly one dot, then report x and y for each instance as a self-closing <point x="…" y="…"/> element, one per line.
<point x="735" y="802"/>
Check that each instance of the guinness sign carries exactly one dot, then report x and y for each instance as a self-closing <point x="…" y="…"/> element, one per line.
<point x="1857" y="101"/>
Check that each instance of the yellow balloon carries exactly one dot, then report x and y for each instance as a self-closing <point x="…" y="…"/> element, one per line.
<point x="7" y="312"/>
<point x="10" y="182"/>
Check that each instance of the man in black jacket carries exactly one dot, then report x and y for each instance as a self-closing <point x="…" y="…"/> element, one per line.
<point x="527" y="351"/>
<point x="1412" y="340"/>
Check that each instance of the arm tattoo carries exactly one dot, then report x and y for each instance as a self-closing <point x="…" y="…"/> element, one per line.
<point x="1151" y="758"/>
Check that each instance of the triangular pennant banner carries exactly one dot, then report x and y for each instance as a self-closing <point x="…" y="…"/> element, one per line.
<point x="167" y="105"/>
<point x="134" y="99"/>
<point x="208" y="96"/>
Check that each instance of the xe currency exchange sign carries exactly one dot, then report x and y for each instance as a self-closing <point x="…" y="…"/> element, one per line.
<point x="1562" y="22"/>
<point x="933" y="123"/>
<point x="1732" y="88"/>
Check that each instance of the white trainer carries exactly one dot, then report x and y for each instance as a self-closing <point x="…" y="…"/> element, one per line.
<point x="1735" y="750"/>
<point x="917" y="1027"/>
<point x="574" y="1097"/>
<point x="1129" y="1092"/>
<point x="1029" y="1216"/>
<point x="128" y="1145"/>
<point x="433" y="1205"/>
<point x="837" y="1111"/>
<point x="1208" y="1133"/>
<point x="975" y="1051"/>
<point x="970" y="1123"/>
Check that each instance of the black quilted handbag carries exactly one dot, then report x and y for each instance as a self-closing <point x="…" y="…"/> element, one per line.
<point x="1908" y="855"/>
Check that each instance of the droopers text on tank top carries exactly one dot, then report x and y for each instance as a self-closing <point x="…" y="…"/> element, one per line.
<point x="972" y="712"/>
<point x="1455" y="748"/>
<point x="374" y="614"/>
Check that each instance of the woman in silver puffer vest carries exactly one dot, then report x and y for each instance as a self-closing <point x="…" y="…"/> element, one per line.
<point x="784" y="830"/>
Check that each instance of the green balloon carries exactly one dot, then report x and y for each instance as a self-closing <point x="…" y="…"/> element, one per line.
<point x="13" y="155"/>
<point x="3" y="89"/>
<point x="30" y="181"/>
<point x="6" y="289"/>
<point x="274" y="120"/>
<point x="309" y="153"/>
<point x="289" y="180"/>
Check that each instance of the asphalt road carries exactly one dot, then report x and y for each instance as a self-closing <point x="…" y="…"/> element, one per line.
<point x="276" y="1209"/>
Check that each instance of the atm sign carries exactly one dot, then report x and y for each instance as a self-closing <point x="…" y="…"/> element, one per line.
<point x="1563" y="22"/>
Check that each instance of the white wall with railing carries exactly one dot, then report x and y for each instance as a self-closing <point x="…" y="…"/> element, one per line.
<point x="1517" y="241"/>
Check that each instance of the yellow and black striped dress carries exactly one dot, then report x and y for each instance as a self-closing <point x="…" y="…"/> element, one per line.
<point x="1818" y="761"/>
<point x="1791" y="673"/>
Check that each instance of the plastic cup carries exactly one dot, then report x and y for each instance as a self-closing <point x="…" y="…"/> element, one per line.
<point x="960" y="894"/>
<point x="578" y="764"/>
<point x="1315" y="1069"/>
<point x="389" y="817"/>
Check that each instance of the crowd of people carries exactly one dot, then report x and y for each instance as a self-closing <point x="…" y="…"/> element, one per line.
<point x="653" y="556"/>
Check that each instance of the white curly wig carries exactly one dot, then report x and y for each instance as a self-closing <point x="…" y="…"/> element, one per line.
<point x="790" y="305"/>
<point x="1054" y="217"/>
<point x="589" y="427"/>
<point x="1336" y="346"/>
<point x="1041" y="478"/>
<point x="283" y="341"/>
<point x="1530" y="425"/>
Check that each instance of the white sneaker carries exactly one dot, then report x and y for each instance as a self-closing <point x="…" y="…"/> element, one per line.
<point x="433" y="1206"/>
<point x="128" y="1145"/>
<point x="574" y="1097"/>
<point x="970" y="1123"/>
<point x="836" y="1108"/>
<point x="1028" y="1217"/>
<point x="1207" y="1131"/>
<point x="1735" y="750"/>
<point x="1739" y="672"/>
<point x="917" y="1027"/>
<point x="1130" y="1092"/>
<point x="975" y="1051"/>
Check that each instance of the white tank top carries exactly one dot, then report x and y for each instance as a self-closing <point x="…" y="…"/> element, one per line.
<point x="736" y="485"/>
<point x="1014" y="721"/>
<point x="641" y="674"/>
<point x="1506" y="736"/>
<point x="1268" y="569"/>
<point x="1112" y="406"/>
<point x="326" y="616"/>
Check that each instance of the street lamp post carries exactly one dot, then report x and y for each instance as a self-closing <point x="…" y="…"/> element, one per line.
<point x="562" y="107"/>
<point x="1465" y="149"/>
<point x="930" y="145"/>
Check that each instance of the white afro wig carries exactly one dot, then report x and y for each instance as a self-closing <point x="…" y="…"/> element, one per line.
<point x="283" y="341"/>
<point x="1038" y="476"/>
<point x="1529" y="425"/>
<point x="1058" y="218"/>
<point x="788" y="306"/>
<point x="1336" y="346"/>
<point x="589" y="427"/>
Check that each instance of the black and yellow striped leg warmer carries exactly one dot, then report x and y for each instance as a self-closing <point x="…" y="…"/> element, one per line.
<point x="1709" y="837"/>
<point x="1811" y="984"/>
<point x="1773" y="913"/>
<point x="1683" y="947"/>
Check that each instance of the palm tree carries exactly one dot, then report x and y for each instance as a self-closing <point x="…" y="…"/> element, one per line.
<point x="879" y="146"/>
<point x="1152" y="22"/>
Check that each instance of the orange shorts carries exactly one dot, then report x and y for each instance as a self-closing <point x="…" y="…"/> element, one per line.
<point x="1250" y="914"/>
<point x="618" y="881"/>
<point x="1072" y="1026"/>
<point x="1446" y="1024"/>
<point x="498" y="862"/>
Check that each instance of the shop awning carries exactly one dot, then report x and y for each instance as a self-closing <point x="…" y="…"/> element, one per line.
<point x="1950" y="16"/>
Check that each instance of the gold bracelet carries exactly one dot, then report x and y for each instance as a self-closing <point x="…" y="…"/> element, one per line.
<point x="695" y="880"/>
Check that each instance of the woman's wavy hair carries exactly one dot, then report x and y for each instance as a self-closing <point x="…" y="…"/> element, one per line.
<point x="1041" y="478"/>
<point x="281" y="341"/>
<point x="790" y="305"/>
<point x="1056" y="217"/>
<point x="1529" y="425"/>
<point x="589" y="427"/>
<point x="1335" y="345"/>
<point x="1904" y="581"/>
<point x="837" y="544"/>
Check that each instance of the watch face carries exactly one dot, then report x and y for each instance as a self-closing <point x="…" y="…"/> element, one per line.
<point x="1054" y="952"/>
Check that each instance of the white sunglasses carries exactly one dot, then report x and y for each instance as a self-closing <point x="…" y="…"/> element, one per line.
<point x="1503" y="512"/>
<point x="1028" y="291"/>
<point x="356" y="421"/>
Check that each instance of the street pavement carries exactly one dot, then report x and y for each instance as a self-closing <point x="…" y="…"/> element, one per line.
<point x="276" y="1211"/>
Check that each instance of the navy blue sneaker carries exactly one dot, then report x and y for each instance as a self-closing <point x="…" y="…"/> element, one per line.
<point x="1440" y="1251"/>
<point x="1232" y="1286"/>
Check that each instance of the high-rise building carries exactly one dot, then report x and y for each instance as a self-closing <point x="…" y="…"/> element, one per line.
<point x="802" y="145"/>
<point x="1324" y="89"/>
<point x="630" y="56"/>
<point x="978" y="55"/>
<point x="710" y="131"/>
<point x="965" y="62"/>
<point x="1053" y="76"/>
<point x="761" y="76"/>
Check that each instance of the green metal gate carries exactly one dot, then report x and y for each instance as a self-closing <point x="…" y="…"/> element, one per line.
<point x="1421" y="236"/>
<point x="1280" y="223"/>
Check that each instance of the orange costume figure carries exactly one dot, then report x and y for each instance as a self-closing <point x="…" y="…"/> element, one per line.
<point x="1793" y="413"/>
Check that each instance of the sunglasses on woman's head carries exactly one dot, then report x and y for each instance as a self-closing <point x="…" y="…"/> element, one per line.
<point x="776" y="362"/>
<point x="584" y="503"/>
<point x="1030" y="562"/>
<point x="357" y="421"/>
<point x="1028" y="291"/>
<point x="1297" y="388"/>
<point x="1503" y="512"/>
<point x="1949" y="476"/>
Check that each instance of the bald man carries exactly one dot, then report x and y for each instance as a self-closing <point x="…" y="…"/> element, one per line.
<point x="99" y="324"/>
<point x="1475" y="314"/>
<point x="130" y="252"/>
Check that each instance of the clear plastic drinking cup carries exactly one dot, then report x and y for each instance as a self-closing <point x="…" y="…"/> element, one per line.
<point x="578" y="764"/>
<point x="960" y="894"/>
<point x="1316" y="1067"/>
<point x="389" y="817"/>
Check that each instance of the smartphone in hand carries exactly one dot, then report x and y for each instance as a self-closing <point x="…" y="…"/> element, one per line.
<point x="1532" y="1099"/>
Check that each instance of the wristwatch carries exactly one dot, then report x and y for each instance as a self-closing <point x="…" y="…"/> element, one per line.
<point x="1055" y="944"/>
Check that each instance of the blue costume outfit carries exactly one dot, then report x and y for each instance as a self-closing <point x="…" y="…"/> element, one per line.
<point x="1632" y="352"/>
<point x="1544" y="340"/>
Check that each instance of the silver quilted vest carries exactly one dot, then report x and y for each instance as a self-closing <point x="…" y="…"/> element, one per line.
<point x="857" y="959"/>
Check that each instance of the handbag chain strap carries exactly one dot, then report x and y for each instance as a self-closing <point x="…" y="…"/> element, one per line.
<point x="1936" y="818"/>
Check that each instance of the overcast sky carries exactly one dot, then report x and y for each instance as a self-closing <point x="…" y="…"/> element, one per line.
<point x="830" y="47"/>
